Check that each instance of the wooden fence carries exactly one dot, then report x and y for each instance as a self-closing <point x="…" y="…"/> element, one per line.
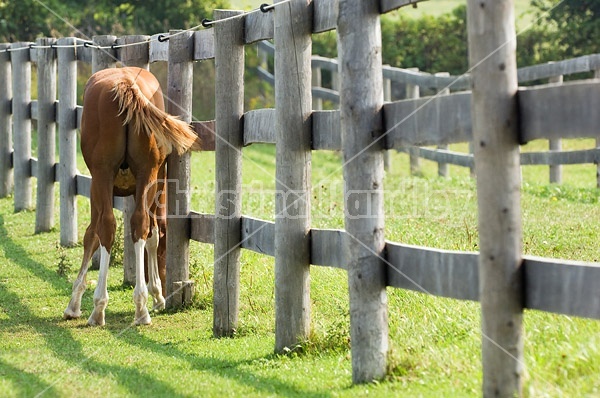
<point x="415" y="82"/>
<point x="500" y="277"/>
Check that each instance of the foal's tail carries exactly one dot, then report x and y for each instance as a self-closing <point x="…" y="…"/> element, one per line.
<point x="142" y="116"/>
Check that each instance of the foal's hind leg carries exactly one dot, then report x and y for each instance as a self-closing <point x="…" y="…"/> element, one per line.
<point x="101" y="198"/>
<point x="140" y="226"/>
<point x="154" y="284"/>
<point x="155" y="245"/>
<point x="90" y="244"/>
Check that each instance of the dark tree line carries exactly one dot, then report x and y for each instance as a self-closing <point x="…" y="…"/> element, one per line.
<point x="25" y="20"/>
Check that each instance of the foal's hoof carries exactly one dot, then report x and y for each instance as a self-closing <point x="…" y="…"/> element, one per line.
<point x="70" y="314"/>
<point x="96" y="319"/>
<point x="143" y="320"/>
<point x="159" y="304"/>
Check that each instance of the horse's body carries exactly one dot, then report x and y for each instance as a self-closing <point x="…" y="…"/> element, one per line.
<point x="125" y="139"/>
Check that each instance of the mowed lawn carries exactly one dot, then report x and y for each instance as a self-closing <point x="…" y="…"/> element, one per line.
<point x="435" y="342"/>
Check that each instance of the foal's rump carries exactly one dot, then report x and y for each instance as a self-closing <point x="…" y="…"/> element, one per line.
<point x="132" y="97"/>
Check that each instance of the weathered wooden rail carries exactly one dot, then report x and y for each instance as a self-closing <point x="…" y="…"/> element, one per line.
<point x="443" y="83"/>
<point x="360" y="131"/>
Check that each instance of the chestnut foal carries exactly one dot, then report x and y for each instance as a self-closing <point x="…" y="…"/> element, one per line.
<point x="125" y="138"/>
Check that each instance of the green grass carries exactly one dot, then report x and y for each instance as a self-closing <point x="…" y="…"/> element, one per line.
<point x="435" y="342"/>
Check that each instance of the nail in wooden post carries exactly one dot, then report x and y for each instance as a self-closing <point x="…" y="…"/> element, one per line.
<point x="229" y="108"/>
<point x="67" y="130"/>
<point x="46" y="126"/>
<point x="361" y="102"/>
<point x="6" y="140"/>
<point x="21" y="107"/>
<point x="492" y="55"/>
<point x="293" y="103"/>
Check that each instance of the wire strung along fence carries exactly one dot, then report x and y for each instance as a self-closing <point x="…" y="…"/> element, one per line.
<point x="410" y="83"/>
<point x="497" y="116"/>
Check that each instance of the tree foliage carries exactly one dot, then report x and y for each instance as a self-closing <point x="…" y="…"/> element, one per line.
<point x="573" y="26"/>
<point x="25" y="20"/>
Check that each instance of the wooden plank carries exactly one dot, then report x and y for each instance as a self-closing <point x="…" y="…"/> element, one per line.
<point x="433" y="271"/>
<point x="326" y="94"/>
<point x="438" y="155"/>
<point x="325" y="15"/>
<point x="83" y="184"/>
<point x="78" y="114"/>
<point x="551" y="111"/>
<point x="327" y="248"/>
<point x="326" y="133"/>
<point x="330" y="64"/>
<point x="563" y="287"/>
<point x="391" y="5"/>
<point x="204" y="44"/>
<point x="259" y="126"/>
<point x="258" y="235"/>
<point x="259" y="26"/>
<point x="426" y="80"/>
<point x="159" y="50"/>
<point x="585" y="63"/>
<point x="558" y="158"/>
<point x="203" y="227"/>
<point x="206" y="131"/>
<point x="429" y="120"/>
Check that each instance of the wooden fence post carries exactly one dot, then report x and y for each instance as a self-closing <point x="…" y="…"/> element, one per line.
<point x="67" y="129"/>
<point x="138" y="55"/>
<point x="556" y="171"/>
<point x="46" y="74"/>
<point x="492" y="55"/>
<point x="293" y="103"/>
<point x="361" y="102"/>
<point x="413" y="92"/>
<point x="179" y="103"/>
<point x="443" y="169"/>
<point x="21" y="108"/>
<point x="6" y="140"/>
<point x="229" y="110"/>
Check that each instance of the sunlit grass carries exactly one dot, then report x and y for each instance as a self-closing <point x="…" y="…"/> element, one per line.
<point x="435" y="342"/>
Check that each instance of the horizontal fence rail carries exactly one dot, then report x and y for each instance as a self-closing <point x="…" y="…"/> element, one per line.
<point x="553" y="111"/>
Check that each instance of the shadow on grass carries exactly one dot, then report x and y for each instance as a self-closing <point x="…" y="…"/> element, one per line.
<point x="60" y="340"/>
<point x="58" y="337"/>
<point x="230" y="369"/>
<point x="20" y="379"/>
